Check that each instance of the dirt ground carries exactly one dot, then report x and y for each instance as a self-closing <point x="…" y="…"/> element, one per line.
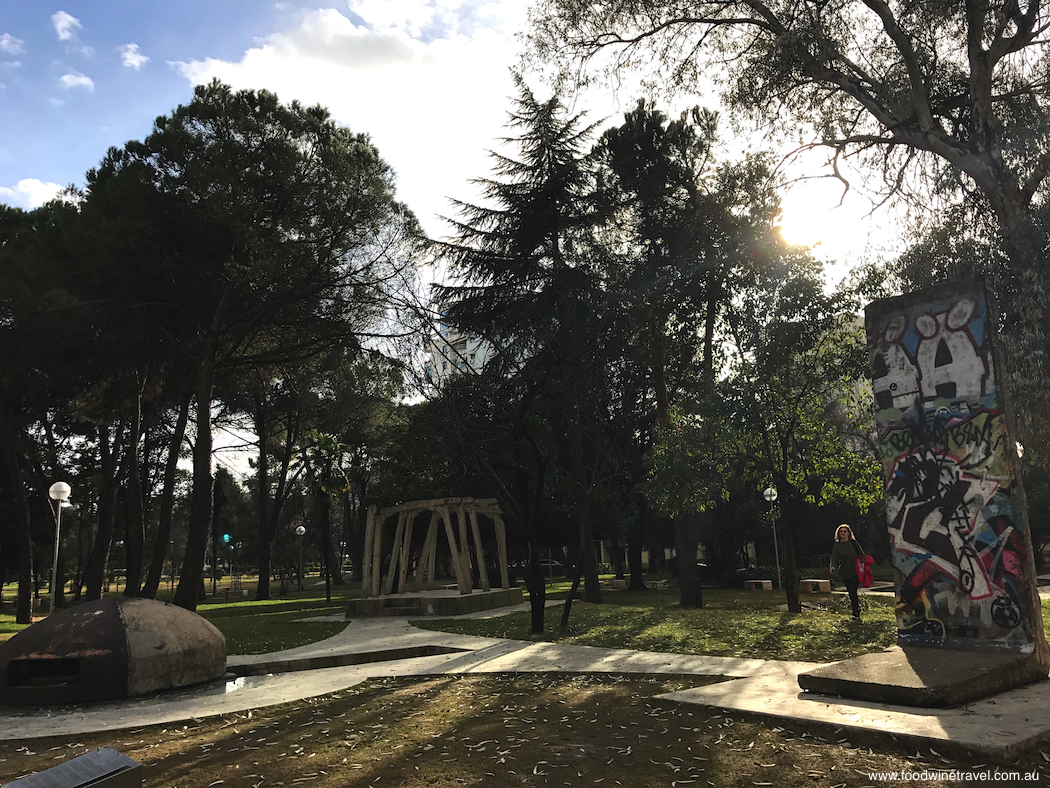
<point x="510" y="730"/>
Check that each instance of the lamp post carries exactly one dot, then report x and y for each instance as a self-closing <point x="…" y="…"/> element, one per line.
<point x="299" y="531"/>
<point x="59" y="492"/>
<point x="770" y="494"/>
<point x="171" y="564"/>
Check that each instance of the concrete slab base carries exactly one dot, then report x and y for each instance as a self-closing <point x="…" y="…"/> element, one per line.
<point x="999" y="725"/>
<point x="925" y="677"/>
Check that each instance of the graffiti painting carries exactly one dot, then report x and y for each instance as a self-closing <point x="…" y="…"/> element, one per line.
<point x="955" y="512"/>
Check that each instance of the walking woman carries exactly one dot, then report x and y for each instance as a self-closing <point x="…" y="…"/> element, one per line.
<point x="844" y="555"/>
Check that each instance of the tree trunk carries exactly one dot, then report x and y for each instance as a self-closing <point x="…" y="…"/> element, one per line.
<point x="616" y="553"/>
<point x="588" y="563"/>
<point x="586" y="557"/>
<point x="136" y="521"/>
<point x="635" y="534"/>
<point x="267" y="529"/>
<point x="107" y="502"/>
<point x="567" y="607"/>
<point x="326" y="541"/>
<point x="23" y="519"/>
<point x="201" y="493"/>
<point x="685" y="533"/>
<point x="537" y="588"/>
<point x="270" y="502"/>
<point x="161" y="547"/>
<point x="355" y="533"/>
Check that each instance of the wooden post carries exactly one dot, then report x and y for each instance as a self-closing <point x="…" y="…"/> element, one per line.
<point x="462" y="583"/>
<point x="377" y="546"/>
<point x="464" y="550"/>
<point x="424" y="574"/>
<point x="479" y="551"/>
<point x="406" y="551"/>
<point x="388" y="583"/>
<point x="501" y="546"/>
<point x="366" y="565"/>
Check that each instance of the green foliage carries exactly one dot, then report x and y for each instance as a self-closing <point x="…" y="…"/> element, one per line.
<point x="685" y="456"/>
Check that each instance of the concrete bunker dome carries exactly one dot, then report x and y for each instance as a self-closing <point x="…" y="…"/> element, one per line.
<point x="111" y="648"/>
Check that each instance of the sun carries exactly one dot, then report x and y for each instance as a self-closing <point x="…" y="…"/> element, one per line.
<point x="839" y="229"/>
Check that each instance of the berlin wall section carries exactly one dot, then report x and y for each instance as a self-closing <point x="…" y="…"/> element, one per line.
<point x="961" y="549"/>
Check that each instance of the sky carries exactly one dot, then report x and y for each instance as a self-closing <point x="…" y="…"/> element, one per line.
<point x="428" y="80"/>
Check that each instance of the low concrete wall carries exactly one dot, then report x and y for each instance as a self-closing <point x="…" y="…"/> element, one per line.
<point x="433" y="603"/>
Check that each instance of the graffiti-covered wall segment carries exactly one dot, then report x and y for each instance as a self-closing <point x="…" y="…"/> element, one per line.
<point x="955" y="513"/>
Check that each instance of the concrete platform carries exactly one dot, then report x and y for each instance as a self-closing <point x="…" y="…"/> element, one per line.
<point x="924" y="677"/>
<point x="1000" y="725"/>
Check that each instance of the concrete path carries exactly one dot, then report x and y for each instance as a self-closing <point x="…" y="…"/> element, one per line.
<point x="770" y="688"/>
<point x="361" y="636"/>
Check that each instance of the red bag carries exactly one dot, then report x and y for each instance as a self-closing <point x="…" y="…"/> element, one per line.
<point x="863" y="565"/>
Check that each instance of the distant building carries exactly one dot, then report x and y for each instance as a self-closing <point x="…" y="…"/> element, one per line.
<point x="452" y="352"/>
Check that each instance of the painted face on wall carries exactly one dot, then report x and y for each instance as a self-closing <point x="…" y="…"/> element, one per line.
<point x="894" y="374"/>
<point x="951" y="366"/>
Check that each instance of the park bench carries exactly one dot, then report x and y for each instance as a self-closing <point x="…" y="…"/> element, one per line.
<point x="815" y="586"/>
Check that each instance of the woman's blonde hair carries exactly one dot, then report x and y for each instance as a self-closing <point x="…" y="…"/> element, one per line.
<point x="848" y="529"/>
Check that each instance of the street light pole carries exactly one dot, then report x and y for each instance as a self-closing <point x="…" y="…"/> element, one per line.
<point x="59" y="492"/>
<point x="299" y="531"/>
<point x="770" y="494"/>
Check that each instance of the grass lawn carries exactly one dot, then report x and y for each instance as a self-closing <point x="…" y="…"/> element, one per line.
<point x="731" y="624"/>
<point x="254" y="627"/>
<point x="250" y="627"/>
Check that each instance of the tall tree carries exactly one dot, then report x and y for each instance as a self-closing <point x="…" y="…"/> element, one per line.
<point x="527" y="288"/>
<point x="278" y="235"/>
<point x="794" y="401"/>
<point x="683" y="235"/>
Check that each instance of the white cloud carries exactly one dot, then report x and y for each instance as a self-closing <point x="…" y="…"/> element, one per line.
<point x="432" y="108"/>
<point x="75" y="79"/>
<point x="11" y="45"/>
<point x="29" y="193"/>
<point x="408" y="15"/>
<point x="66" y="25"/>
<point x="131" y="57"/>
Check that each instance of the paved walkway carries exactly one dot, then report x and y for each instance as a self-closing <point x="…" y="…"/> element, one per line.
<point x="998" y="725"/>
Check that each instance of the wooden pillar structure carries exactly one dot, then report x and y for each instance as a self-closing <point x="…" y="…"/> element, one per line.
<point x="459" y="536"/>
